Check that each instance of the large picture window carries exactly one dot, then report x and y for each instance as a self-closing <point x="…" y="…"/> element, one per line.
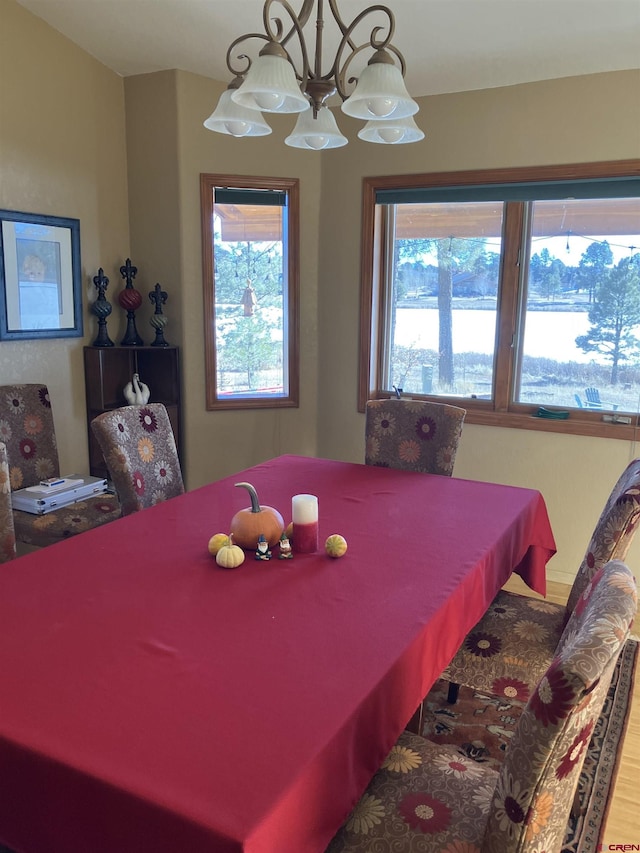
<point x="513" y="293"/>
<point x="250" y="246"/>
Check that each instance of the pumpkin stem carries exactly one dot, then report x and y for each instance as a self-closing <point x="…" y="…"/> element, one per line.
<point x="255" y="503"/>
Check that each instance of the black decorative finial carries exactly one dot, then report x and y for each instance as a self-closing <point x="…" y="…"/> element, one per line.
<point x="158" y="319"/>
<point x="101" y="308"/>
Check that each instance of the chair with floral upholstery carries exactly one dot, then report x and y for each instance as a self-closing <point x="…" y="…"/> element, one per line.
<point x="7" y="533"/>
<point x="514" y="642"/>
<point x="428" y="798"/>
<point x="27" y="429"/>
<point x="413" y="435"/>
<point x="139" y="448"/>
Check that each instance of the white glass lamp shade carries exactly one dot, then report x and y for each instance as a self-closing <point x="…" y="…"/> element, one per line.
<point x="392" y="131"/>
<point x="380" y="94"/>
<point x="271" y="86"/>
<point x="316" y="133"/>
<point x="236" y="120"/>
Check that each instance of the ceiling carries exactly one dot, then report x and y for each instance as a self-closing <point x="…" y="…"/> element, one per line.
<point x="449" y="45"/>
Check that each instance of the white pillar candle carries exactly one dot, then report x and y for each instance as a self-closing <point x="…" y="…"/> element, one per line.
<point x="304" y="513"/>
<point x="304" y="509"/>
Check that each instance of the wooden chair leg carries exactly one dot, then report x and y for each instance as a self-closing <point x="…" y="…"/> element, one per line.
<point x="452" y="695"/>
<point x="576" y="807"/>
<point x="415" y="723"/>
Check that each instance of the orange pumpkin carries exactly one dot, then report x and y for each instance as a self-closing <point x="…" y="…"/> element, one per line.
<point x="247" y="524"/>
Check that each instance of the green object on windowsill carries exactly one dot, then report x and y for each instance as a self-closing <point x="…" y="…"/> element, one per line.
<point x="557" y="415"/>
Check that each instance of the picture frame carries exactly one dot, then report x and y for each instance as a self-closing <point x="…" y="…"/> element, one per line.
<point x="40" y="277"/>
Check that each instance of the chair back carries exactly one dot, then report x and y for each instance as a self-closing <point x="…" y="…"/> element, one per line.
<point x="140" y="451"/>
<point x="7" y="533"/>
<point x="614" y="531"/>
<point x="413" y="435"/>
<point x="26" y="427"/>
<point x="593" y="396"/>
<point x="538" y="778"/>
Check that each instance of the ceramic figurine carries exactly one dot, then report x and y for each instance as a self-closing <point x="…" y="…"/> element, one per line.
<point x="285" y="548"/>
<point x="262" y="551"/>
<point x="136" y="392"/>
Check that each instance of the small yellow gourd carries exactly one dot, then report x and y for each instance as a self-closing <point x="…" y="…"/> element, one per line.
<point x="216" y="542"/>
<point x="230" y="556"/>
<point x="336" y="545"/>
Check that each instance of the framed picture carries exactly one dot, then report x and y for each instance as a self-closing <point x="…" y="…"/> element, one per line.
<point x="40" y="277"/>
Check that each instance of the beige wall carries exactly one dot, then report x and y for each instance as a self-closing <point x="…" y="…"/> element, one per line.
<point x="216" y="443"/>
<point x="68" y="126"/>
<point x="62" y="152"/>
<point x="559" y="121"/>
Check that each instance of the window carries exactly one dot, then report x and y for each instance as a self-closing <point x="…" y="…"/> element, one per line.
<point x="250" y="230"/>
<point x="509" y="292"/>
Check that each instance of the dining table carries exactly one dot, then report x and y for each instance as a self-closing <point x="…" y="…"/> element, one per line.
<point x="152" y="701"/>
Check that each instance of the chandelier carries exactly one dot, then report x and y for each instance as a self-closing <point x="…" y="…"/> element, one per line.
<point x="276" y="81"/>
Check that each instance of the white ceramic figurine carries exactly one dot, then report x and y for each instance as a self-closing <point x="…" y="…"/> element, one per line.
<point x="136" y="392"/>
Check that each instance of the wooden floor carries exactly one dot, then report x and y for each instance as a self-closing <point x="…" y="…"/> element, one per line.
<point x="623" y="822"/>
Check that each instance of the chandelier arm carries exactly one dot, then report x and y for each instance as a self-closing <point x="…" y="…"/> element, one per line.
<point x="347" y="30"/>
<point x="338" y="70"/>
<point x="238" y="70"/>
<point x="274" y="33"/>
<point x="297" y="23"/>
<point x="301" y="19"/>
<point x="344" y="28"/>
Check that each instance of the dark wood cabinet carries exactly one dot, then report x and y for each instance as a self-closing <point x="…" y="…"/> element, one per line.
<point x="107" y="370"/>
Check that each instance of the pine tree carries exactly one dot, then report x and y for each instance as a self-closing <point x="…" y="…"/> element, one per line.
<point x="614" y="314"/>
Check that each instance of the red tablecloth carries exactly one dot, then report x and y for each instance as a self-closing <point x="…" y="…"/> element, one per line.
<point x="151" y="701"/>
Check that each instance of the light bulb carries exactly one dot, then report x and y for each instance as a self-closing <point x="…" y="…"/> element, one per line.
<point x="237" y="128"/>
<point x="381" y="106"/>
<point x="391" y="134"/>
<point x="269" y="101"/>
<point x="316" y="142"/>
